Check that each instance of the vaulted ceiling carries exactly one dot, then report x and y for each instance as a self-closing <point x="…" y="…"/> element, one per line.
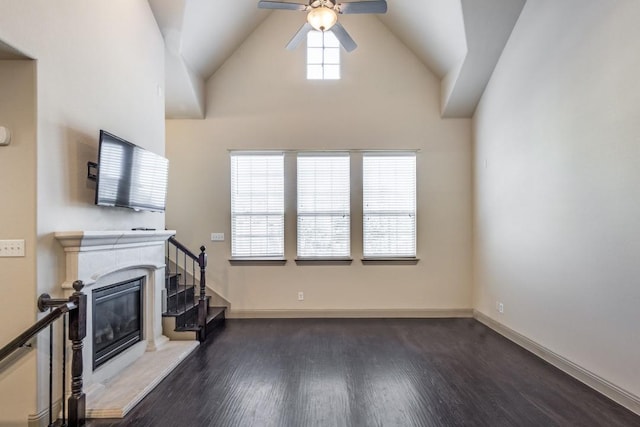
<point x="460" y="41"/>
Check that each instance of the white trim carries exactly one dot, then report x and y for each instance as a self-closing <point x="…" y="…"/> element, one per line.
<point x="84" y="241"/>
<point x="351" y="313"/>
<point x="41" y="419"/>
<point x="324" y="150"/>
<point x="596" y="382"/>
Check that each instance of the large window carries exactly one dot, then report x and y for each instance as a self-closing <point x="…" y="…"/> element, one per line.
<point x="257" y="205"/>
<point x="323" y="205"/>
<point x="323" y="56"/>
<point x="389" y="205"/>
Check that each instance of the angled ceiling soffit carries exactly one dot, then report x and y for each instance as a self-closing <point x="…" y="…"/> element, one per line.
<point x="184" y="88"/>
<point x="488" y="25"/>
<point x="432" y="29"/>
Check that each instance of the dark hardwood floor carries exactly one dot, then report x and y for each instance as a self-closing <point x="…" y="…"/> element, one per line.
<point x="368" y="372"/>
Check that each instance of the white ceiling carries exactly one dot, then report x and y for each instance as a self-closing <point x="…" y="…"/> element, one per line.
<point x="460" y="41"/>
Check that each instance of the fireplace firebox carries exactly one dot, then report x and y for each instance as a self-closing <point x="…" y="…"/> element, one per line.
<point x="117" y="319"/>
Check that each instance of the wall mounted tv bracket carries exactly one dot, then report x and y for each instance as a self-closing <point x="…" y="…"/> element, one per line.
<point x="5" y="135"/>
<point x="92" y="171"/>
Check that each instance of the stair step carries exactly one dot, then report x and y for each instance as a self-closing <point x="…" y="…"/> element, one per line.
<point x="182" y="304"/>
<point x="181" y="310"/>
<point x="214" y="318"/>
<point x="181" y="298"/>
<point x="171" y="281"/>
<point x="187" y="328"/>
<point x="215" y="312"/>
<point x="180" y="289"/>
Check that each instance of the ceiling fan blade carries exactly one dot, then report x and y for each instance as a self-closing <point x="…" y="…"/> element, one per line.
<point x="281" y="5"/>
<point x="379" y="6"/>
<point x="300" y="35"/>
<point x="343" y="37"/>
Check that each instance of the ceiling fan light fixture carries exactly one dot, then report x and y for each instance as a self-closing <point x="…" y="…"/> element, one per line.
<point x="322" y="18"/>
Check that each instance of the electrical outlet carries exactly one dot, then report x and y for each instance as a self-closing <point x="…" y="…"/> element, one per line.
<point x="300" y="296"/>
<point x="217" y="237"/>
<point x="12" y="248"/>
<point x="501" y="308"/>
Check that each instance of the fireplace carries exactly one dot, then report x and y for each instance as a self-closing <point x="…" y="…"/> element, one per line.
<point x="117" y="319"/>
<point x="132" y="265"/>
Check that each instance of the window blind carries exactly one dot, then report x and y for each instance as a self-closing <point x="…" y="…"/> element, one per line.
<point x="324" y="205"/>
<point x="257" y="205"/>
<point x="389" y="204"/>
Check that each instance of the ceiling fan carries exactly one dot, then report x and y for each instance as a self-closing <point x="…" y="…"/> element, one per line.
<point x="323" y="16"/>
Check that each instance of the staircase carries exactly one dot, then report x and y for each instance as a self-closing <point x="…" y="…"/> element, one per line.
<point x="186" y="311"/>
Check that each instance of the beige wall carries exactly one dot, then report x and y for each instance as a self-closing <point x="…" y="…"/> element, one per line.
<point x="387" y="99"/>
<point x="556" y="181"/>
<point x="18" y="221"/>
<point x="100" y="65"/>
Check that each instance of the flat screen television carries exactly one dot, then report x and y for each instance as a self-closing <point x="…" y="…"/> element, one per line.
<point x="129" y="176"/>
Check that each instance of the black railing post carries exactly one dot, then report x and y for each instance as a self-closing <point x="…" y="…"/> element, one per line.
<point x="64" y="369"/>
<point x="77" y="332"/>
<point x="51" y="374"/>
<point x="202" y="302"/>
<point x="202" y="262"/>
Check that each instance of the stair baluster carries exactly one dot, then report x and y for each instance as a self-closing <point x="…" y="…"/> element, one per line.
<point x="191" y="312"/>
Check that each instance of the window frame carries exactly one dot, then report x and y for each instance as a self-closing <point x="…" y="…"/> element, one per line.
<point x="237" y="211"/>
<point x="315" y="210"/>
<point x="402" y="257"/>
<point x="288" y="187"/>
<point x="325" y="50"/>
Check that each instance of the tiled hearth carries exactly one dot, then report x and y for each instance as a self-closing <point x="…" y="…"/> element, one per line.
<point x="102" y="258"/>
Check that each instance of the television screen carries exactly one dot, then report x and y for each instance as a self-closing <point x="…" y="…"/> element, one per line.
<point x="130" y="176"/>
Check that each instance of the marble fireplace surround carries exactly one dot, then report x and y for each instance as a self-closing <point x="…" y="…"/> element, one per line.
<point x="102" y="258"/>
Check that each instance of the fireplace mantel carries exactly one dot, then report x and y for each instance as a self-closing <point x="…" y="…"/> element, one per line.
<point x="81" y="241"/>
<point x="93" y="254"/>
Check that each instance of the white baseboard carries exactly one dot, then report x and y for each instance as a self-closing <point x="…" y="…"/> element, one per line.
<point x="41" y="419"/>
<point x="612" y="391"/>
<point x="350" y="313"/>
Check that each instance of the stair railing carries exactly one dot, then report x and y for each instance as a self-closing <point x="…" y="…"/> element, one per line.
<point x="75" y="308"/>
<point x="178" y="254"/>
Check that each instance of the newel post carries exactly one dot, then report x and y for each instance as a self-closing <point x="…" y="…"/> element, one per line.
<point x="77" y="332"/>
<point x="202" y="302"/>
<point x="202" y="262"/>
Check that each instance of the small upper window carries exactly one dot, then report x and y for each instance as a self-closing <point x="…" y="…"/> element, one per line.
<point x="323" y="56"/>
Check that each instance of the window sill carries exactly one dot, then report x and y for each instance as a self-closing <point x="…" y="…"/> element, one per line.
<point x="324" y="261"/>
<point x="257" y="261"/>
<point x="390" y="261"/>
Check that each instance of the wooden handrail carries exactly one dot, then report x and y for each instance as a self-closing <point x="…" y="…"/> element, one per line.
<point x="47" y="320"/>
<point x="76" y="306"/>
<point x="183" y="248"/>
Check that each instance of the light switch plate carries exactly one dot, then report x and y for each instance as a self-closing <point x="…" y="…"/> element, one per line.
<point x="12" y="248"/>
<point x="217" y="237"/>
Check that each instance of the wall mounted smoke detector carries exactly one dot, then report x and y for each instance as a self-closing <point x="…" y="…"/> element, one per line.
<point x="5" y="135"/>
